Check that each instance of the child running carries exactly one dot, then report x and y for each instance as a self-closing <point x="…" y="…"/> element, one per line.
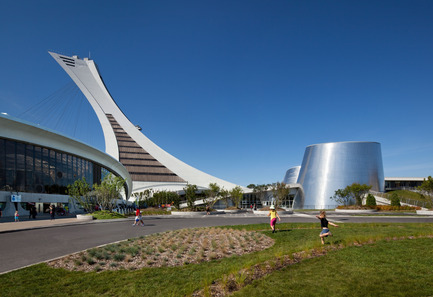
<point x="324" y="225"/>
<point x="274" y="215"/>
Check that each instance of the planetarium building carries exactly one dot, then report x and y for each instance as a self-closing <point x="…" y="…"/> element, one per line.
<point x="327" y="167"/>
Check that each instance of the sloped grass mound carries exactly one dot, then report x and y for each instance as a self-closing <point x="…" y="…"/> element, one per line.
<point x="385" y="268"/>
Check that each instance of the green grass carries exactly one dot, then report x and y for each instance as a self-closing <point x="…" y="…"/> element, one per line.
<point x="384" y="268"/>
<point x="107" y="215"/>
<point x="154" y="211"/>
<point x="406" y="194"/>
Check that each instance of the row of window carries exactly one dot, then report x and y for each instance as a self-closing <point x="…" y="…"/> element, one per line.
<point x="31" y="168"/>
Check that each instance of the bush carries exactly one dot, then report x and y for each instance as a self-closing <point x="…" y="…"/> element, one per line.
<point x="390" y="208"/>
<point x="395" y="200"/>
<point x="371" y="201"/>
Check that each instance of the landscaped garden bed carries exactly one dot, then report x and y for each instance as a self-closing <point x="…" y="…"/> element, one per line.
<point x="174" y="248"/>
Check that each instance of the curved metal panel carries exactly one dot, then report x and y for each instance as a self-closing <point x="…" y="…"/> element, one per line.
<point x="292" y="175"/>
<point x="328" y="167"/>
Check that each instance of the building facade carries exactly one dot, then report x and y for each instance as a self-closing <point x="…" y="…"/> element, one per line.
<point x="37" y="165"/>
<point x="327" y="167"/>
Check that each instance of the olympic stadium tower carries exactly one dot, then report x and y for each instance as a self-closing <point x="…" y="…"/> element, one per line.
<point x="327" y="167"/>
<point x="149" y="166"/>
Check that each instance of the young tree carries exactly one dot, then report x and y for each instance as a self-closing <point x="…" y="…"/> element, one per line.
<point x="79" y="191"/>
<point x="371" y="201"/>
<point x="140" y="197"/>
<point x="280" y="192"/>
<point x="342" y="197"/>
<point x="237" y="194"/>
<point x="260" y="191"/>
<point x="355" y="191"/>
<point x="212" y="194"/>
<point x="174" y="198"/>
<point x="427" y="188"/>
<point x="108" y="191"/>
<point x="190" y="195"/>
<point x="395" y="200"/>
<point x="225" y="196"/>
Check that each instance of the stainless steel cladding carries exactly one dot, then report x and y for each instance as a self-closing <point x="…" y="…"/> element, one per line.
<point x="292" y="175"/>
<point x="327" y="167"/>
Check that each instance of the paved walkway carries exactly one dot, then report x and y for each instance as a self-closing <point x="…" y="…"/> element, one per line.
<point x="7" y="224"/>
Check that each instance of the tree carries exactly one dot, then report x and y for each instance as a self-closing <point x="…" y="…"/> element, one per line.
<point x="212" y="194"/>
<point x="190" y="195"/>
<point x="225" y="196"/>
<point x="395" y="200"/>
<point x="140" y="197"/>
<point x="427" y="188"/>
<point x="237" y="194"/>
<point x="280" y="192"/>
<point x="342" y="197"/>
<point x="371" y="201"/>
<point x="79" y="191"/>
<point x="355" y="191"/>
<point x="174" y="198"/>
<point x="109" y="191"/>
<point x="260" y="191"/>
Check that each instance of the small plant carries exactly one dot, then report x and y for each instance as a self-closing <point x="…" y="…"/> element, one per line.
<point x="133" y="251"/>
<point x="192" y="251"/>
<point x="90" y="261"/>
<point x="119" y="257"/>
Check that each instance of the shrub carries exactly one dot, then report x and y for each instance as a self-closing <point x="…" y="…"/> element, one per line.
<point x="119" y="257"/>
<point x="395" y="200"/>
<point x="389" y="207"/>
<point x="371" y="201"/>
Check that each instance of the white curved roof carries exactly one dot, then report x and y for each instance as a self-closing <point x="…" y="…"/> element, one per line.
<point x="20" y="130"/>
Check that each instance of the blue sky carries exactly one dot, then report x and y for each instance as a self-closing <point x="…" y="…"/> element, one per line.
<point x="237" y="89"/>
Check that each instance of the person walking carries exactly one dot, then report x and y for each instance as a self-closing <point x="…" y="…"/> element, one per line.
<point x="274" y="215"/>
<point x="324" y="225"/>
<point x="17" y="216"/>
<point x="52" y="212"/>
<point x="33" y="212"/>
<point x="138" y="218"/>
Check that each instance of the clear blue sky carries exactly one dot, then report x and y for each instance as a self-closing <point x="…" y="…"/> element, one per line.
<point x="237" y="89"/>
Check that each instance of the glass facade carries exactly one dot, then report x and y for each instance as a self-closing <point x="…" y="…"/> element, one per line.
<point x="30" y="168"/>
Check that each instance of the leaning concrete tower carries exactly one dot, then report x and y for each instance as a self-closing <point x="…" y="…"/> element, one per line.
<point x="149" y="165"/>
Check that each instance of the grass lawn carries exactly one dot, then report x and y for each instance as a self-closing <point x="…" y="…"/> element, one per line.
<point x="107" y="215"/>
<point x="368" y="260"/>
